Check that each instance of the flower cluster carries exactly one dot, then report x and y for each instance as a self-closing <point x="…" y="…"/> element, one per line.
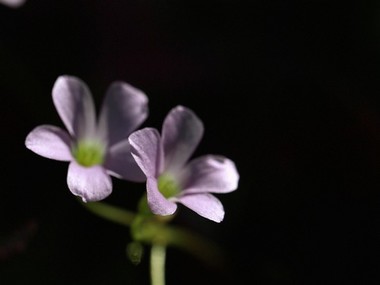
<point x="98" y="147"/>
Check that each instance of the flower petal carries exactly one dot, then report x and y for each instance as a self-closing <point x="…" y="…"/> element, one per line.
<point x="181" y="133"/>
<point x="124" y="109"/>
<point x="13" y="3"/>
<point x="120" y="163"/>
<point x="50" y="142"/>
<point x="89" y="183"/>
<point x="158" y="204"/>
<point x="75" y="106"/>
<point x="147" y="151"/>
<point x="210" y="173"/>
<point x="205" y="205"/>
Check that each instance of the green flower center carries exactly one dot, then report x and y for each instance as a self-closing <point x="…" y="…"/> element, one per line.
<point x="168" y="186"/>
<point x="89" y="153"/>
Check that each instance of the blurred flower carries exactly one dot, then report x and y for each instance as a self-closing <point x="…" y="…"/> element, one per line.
<point x="95" y="149"/>
<point x="13" y="3"/>
<point x="171" y="178"/>
<point x="17" y="240"/>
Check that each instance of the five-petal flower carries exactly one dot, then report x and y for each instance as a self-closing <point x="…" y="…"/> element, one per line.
<point x="171" y="177"/>
<point x="96" y="149"/>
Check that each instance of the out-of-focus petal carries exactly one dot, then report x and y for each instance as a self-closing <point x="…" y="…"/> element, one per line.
<point x="206" y="205"/>
<point x="210" y="173"/>
<point x="158" y="204"/>
<point x="124" y="109"/>
<point x="75" y="106"/>
<point x="50" y="142"/>
<point x="89" y="183"/>
<point x="181" y="133"/>
<point x="13" y="3"/>
<point x="146" y="148"/>
<point x="121" y="164"/>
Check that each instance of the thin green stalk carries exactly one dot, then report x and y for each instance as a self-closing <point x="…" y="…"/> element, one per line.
<point x="154" y="232"/>
<point x="112" y="213"/>
<point x="157" y="264"/>
<point x="200" y="247"/>
<point x="158" y="232"/>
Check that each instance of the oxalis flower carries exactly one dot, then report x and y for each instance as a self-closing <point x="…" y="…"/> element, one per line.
<point x="95" y="149"/>
<point x="171" y="177"/>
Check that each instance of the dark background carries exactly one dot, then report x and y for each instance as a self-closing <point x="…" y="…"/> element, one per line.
<point x="289" y="90"/>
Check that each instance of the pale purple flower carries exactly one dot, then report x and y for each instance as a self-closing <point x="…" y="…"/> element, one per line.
<point x="96" y="149"/>
<point x="171" y="177"/>
<point x="13" y="3"/>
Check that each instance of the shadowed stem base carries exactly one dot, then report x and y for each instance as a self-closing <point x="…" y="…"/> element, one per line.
<point x="155" y="231"/>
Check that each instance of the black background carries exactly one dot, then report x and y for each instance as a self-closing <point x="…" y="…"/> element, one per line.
<point x="289" y="90"/>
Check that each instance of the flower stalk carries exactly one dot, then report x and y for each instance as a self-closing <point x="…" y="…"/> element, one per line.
<point x="151" y="230"/>
<point x="157" y="264"/>
<point x="109" y="212"/>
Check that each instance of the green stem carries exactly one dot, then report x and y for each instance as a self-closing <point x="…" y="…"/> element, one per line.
<point x="112" y="213"/>
<point x="157" y="264"/>
<point x="200" y="247"/>
<point x="153" y="232"/>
